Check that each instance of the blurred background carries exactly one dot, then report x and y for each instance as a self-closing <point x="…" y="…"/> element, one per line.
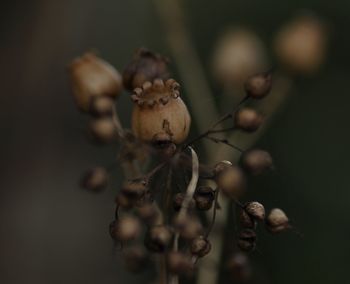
<point x="54" y="232"/>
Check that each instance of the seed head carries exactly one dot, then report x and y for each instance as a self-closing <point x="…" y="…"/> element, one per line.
<point x="200" y="246"/>
<point x="256" y="210"/>
<point x="95" y="179"/>
<point x="257" y="161"/>
<point x="248" y="119"/>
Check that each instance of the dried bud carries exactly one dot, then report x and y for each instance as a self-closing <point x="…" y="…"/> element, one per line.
<point x="230" y="180"/>
<point x="134" y="189"/>
<point x="101" y="106"/>
<point x="247" y="240"/>
<point x="95" y="179"/>
<point x="258" y="86"/>
<point x="178" y="199"/>
<point x="103" y="130"/>
<point x="301" y="44"/>
<point x="277" y="221"/>
<point x="257" y="161"/>
<point x="189" y="227"/>
<point x="204" y="197"/>
<point x="123" y="201"/>
<point x="179" y="263"/>
<point x="158" y="238"/>
<point x="91" y="76"/>
<point x="256" y="210"/>
<point x="248" y="119"/>
<point x="164" y="146"/>
<point x="148" y="212"/>
<point x="200" y="246"/>
<point x="135" y="259"/>
<point x="126" y="228"/>
<point x="239" y="268"/>
<point x="158" y="108"/>
<point x="145" y="66"/>
<point x="246" y="221"/>
<point x="221" y="166"/>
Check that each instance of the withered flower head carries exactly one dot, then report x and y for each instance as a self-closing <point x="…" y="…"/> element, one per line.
<point x="92" y="76"/>
<point x="95" y="179"/>
<point x="158" y="110"/>
<point x="145" y="66"/>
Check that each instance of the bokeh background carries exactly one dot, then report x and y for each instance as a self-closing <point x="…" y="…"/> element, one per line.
<point x="53" y="232"/>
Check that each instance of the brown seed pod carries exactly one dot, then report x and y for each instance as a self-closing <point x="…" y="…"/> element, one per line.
<point x="189" y="227"/>
<point x="126" y="228"/>
<point x="246" y="221"/>
<point x="158" y="109"/>
<point x="246" y="240"/>
<point x="123" y="201"/>
<point x="101" y="106"/>
<point x="135" y="259"/>
<point x="178" y="199"/>
<point x="158" y="238"/>
<point x="103" y="130"/>
<point x="239" y="267"/>
<point x="248" y="119"/>
<point x="134" y="189"/>
<point x="145" y="66"/>
<point x="257" y="161"/>
<point x="95" y="179"/>
<point x="179" y="263"/>
<point x="256" y="210"/>
<point x="148" y="212"/>
<point x="259" y="85"/>
<point x="163" y="145"/>
<point x="230" y="180"/>
<point x="200" y="246"/>
<point x="92" y="76"/>
<point x="204" y="197"/>
<point x="277" y="221"/>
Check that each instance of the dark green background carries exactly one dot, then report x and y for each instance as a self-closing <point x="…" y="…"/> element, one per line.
<point x="52" y="232"/>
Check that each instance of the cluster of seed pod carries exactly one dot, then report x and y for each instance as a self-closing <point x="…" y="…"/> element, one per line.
<point x="155" y="208"/>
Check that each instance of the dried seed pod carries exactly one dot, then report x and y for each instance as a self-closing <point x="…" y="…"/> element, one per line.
<point x="126" y="228"/>
<point x="239" y="267"/>
<point x="158" y="109"/>
<point x="95" y="179"/>
<point x="134" y="189"/>
<point x="221" y="166"/>
<point x="301" y="44"/>
<point x="246" y="221"/>
<point x="248" y="119"/>
<point x="92" y="76"/>
<point x="135" y="259"/>
<point x="256" y="210"/>
<point x="246" y="240"/>
<point x="158" y="238"/>
<point x="179" y="263"/>
<point x="178" y="199"/>
<point x="239" y="54"/>
<point x="103" y="130"/>
<point x="101" y="106"/>
<point x="145" y="66"/>
<point x="257" y="161"/>
<point x="204" y="197"/>
<point x="277" y="221"/>
<point x="259" y="85"/>
<point x="230" y="180"/>
<point x="163" y="145"/>
<point x="200" y="246"/>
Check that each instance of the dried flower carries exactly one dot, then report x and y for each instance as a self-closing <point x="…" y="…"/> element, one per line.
<point x="248" y="119"/>
<point x="257" y="161"/>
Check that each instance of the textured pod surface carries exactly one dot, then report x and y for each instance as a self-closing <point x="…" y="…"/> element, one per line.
<point x="158" y="108"/>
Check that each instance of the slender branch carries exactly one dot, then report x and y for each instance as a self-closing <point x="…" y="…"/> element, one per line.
<point x="224" y="141"/>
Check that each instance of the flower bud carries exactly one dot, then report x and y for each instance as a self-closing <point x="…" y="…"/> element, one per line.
<point x="200" y="246"/>
<point x="135" y="259"/>
<point x="158" y="238"/>
<point x="158" y="108"/>
<point x="91" y="76"/>
<point x="277" y="221"/>
<point x="163" y="145"/>
<point x="179" y="263"/>
<point x="101" y="106"/>
<point x="179" y="199"/>
<point x="221" y="166"/>
<point x="230" y="180"/>
<point x="239" y="268"/>
<point x="256" y="210"/>
<point x="204" y="197"/>
<point x="134" y="189"/>
<point x="259" y="85"/>
<point x="189" y="227"/>
<point x="257" y="161"/>
<point x="247" y="240"/>
<point x="248" y="119"/>
<point x="126" y="228"/>
<point x="103" y="130"/>
<point x="145" y="66"/>
<point x="95" y="179"/>
<point x="246" y="221"/>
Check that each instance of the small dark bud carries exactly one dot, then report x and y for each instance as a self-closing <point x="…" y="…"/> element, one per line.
<point x="189" y="227"/>
<point x="145" y="66"/>
<point x="257" y="161"/>
<point x="246" y="240"/>
<point x="101" y="106"/>
<point x="103" y="130"/>
<point x="95" y="179"/>
<point x="135" y="259"/>
<point x="200" y="246"/>
<point x="178" y="200"/>
<point x="204" y="197"/>
<point x="277" y="221"/>
<point x="230" y="179"/>
<point x="248" y="119"/>
<point x="179" y="263"/>
<point x="158" y="238"/>
<point x="239" y="268"/>
<point x="123" y="201"/>
<point x="148" y="212"/>
<point x="246" y="221"/>
<point x="256" y="210"/>
<point x="124" y="229"/>
<point x="134" y="189"/>
<point x="258" y="86"/>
